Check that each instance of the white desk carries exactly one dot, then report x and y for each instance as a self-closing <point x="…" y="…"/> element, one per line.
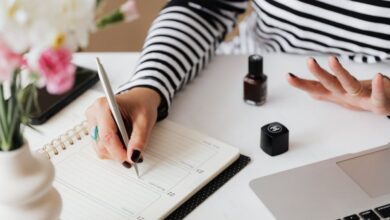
<point x="213" y="104"/>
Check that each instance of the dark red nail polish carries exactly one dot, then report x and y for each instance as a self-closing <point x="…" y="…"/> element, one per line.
<point x="135" y="156"/>
<point x="384" y="76"/>
<point x="140" y="160"/>
<point x="255" y="82"/>
<point x="126" y="164"/>
<point x="292" y="75"/>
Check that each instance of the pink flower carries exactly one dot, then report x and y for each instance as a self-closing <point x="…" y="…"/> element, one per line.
<point x="9" y="61"/>
<point x="129" y="10"/>
<point x="57" y="70"/>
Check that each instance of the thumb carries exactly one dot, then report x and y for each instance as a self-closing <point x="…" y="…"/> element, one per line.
<point x="378" y="96"/>
<point x="138" y="139"/>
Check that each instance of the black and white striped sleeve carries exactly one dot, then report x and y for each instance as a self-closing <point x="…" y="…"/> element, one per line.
<point x="180" y="42"/>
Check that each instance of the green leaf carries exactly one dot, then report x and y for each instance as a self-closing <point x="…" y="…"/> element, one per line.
<point x="34" y="128"/>
<point x="15" y="122"/>
<point x="115" y="17"/>
<point x="29" y="104"/>
<point x="35" y="99"/>
<point x="2" y="102"/>
<point x="98" y="2"/>
<point x="3" y="118"/>
<point x="10" y="109"/>
<point x="10" y="115"/>
<point x="17" y="138"/>
<point x="2" y="135"/>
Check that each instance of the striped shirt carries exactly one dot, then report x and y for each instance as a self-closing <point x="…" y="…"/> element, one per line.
<point x="186" y="33"/>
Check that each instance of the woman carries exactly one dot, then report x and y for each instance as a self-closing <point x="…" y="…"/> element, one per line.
<point x="183" y="38"/>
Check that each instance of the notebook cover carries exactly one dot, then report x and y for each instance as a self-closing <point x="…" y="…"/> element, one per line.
<point x="197" y="199"/>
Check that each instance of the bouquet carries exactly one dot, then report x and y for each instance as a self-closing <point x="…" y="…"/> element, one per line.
<point x="37" y="40"/>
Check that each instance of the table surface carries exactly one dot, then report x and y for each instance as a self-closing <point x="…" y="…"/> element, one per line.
<point x="213" y="104"/>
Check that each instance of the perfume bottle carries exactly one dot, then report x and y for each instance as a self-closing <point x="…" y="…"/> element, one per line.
<point x="255" y="82"/>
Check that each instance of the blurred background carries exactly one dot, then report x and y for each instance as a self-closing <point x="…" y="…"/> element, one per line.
<point x="130" y="36"/>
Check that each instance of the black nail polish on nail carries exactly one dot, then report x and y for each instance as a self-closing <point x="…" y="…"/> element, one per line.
<point x="135" y="156"/>
<point x="126" y="164"/>
<point x="140" y="160"/>
<point x="292" y="75"/>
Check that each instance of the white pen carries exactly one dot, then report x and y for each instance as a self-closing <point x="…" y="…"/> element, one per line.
<point x="114" y="106"/>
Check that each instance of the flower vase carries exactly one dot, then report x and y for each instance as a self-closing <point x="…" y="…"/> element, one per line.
<point x="26" y="190"/>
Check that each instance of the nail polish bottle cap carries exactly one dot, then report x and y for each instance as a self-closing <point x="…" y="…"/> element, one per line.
<point x="274" y="138"/>
<point x="255" y="65"/>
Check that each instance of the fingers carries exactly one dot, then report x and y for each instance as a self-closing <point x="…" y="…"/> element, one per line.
<point x="350" y="84"/>
<point x="378" y="90"/>
<point x="139" y="112"/>
<point x="314" y="88"/>
<point x="101" y="152"/>
<point x="329" y="81"/>
<point x="108" y="136"/>
<point x="142" y="127"/>
<point x="108" y="144"/>
<point x="344" y="89"/>
<point x="378" y="95"/>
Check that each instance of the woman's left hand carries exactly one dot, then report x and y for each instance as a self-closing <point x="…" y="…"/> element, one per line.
<point x="344" y="89"/>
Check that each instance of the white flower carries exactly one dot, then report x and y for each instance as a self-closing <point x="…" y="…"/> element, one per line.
<point x="13" y="26"/>
<point x="73" y="20"/>
<point x="25" y="24"/>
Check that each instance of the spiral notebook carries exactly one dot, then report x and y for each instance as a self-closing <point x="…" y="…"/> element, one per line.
<point x="177" y="163"/>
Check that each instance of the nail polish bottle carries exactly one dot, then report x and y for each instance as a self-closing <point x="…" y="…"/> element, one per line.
<point x="255" y="82"/>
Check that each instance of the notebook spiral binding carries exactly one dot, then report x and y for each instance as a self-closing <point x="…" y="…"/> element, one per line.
<point x="65" y="140"/>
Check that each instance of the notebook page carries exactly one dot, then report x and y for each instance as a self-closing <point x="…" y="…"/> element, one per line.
<point x="177" y="162"/>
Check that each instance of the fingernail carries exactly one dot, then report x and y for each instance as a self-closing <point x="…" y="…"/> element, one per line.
<point x="314" y="60"/>
<point x="135" y="156"/>
<point x="140" y="160"/>
<point x="126" y="164"/>
<point x="337" y="59"/>
<point x="292" y="75"/>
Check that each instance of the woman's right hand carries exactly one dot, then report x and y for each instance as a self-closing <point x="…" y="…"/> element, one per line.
<point x="342" y="88"/>
<point x="138" y="107"/>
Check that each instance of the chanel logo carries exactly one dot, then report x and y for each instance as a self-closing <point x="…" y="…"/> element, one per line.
<point x="274" y="128"/>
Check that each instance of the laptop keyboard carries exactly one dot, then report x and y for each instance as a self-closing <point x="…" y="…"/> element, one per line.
<point x="382" y="212"/>
<point x="369" y="214"/>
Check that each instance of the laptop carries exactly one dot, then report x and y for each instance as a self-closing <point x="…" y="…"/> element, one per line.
<point x="352" y="186"/>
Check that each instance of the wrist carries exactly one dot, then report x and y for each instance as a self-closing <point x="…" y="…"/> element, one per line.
<point x="146" y="95"/>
